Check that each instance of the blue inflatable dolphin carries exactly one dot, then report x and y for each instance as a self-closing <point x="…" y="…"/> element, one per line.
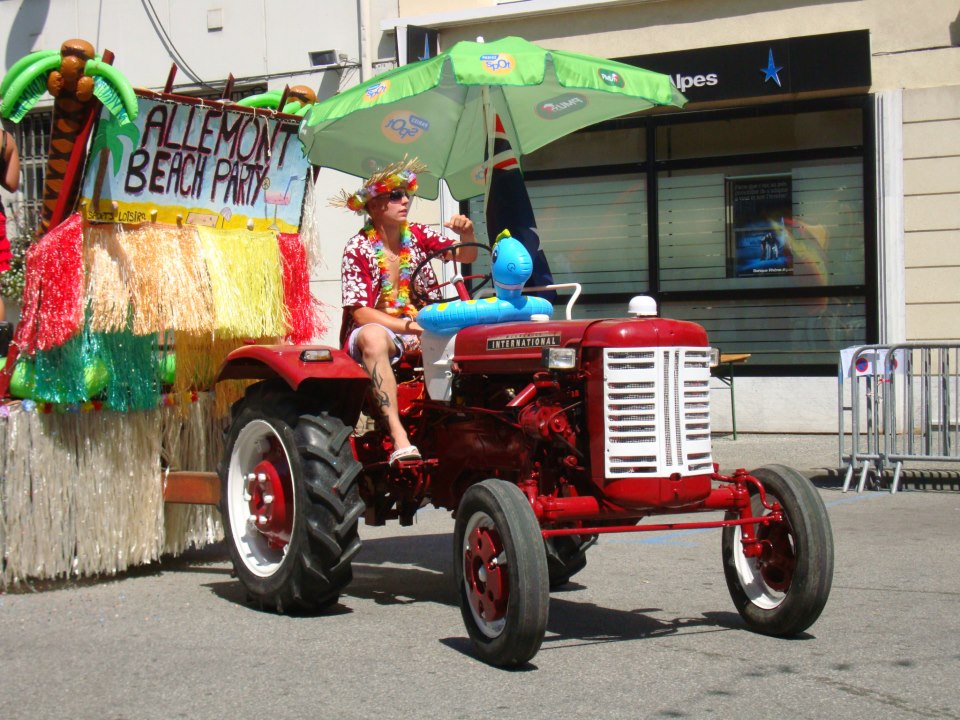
<point x="511" y="268"/>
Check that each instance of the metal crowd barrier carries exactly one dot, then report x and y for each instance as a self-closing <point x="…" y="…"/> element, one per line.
<point x="903" y="405"/>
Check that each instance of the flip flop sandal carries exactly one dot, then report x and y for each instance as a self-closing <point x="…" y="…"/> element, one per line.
<point x="405" y="453"/>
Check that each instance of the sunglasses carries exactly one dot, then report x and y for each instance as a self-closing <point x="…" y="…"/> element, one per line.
<point x="398" y="195"/>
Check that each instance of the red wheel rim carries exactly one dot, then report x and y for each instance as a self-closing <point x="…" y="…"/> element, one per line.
<point x="270" y="497"/>
<point x="487" y="583"/>
<point x="778" y="559"/>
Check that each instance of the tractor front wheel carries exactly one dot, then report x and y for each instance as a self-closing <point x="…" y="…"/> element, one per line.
<point x="501" y="574"/>
<point x="783" y="590"/>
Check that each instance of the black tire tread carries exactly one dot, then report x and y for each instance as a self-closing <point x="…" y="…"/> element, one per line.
<point x="333" y="506"/>
<point x="566" y="556"/>
<point x="813" y="575"/>
<point x="527" y="611"/>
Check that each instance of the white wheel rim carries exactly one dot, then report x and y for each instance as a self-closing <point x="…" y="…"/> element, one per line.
<point x="751" y="580"/>
<point x="252" y="443"/>
<point x="491" y="629"/>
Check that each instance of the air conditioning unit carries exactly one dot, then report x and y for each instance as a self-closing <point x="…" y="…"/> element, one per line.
<point x="325" y="58"/>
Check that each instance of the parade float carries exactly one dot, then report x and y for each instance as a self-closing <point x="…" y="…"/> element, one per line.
<point x="171" y="234"/>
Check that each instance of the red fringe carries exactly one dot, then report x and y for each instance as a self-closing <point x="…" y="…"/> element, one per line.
<point x="53" y="288"/>
<point x="303" y="318"/>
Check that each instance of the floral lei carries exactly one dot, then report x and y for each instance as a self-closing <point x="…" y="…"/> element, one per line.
<point x="398" y="299"/>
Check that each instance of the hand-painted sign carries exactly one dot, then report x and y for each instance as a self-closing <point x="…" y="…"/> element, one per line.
<point x="200" y="164"/>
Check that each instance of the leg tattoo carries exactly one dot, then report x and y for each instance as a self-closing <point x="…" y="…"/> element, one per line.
<point x="376" y="388"/>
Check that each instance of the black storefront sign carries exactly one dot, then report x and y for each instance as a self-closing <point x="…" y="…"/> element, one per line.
<point x="814" y="63"/>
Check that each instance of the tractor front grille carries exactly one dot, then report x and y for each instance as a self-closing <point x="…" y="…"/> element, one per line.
<point x="657" y="411"/>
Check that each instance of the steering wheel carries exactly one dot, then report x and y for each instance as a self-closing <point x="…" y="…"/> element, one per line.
<point x="457" y="281"/>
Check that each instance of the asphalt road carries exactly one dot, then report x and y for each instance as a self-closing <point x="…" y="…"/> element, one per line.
<point x="647" y="630"/>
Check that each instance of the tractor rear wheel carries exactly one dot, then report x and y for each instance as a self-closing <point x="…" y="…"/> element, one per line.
<point x="782" y="591"/>
<point x="290" y="502"/>
<point x="566" y="556"/>
<point x="500" y="569"/>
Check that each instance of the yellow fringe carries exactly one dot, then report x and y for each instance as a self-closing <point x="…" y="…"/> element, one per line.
<point x="247" y="282"/>
<point x="156" y="270"/>
<point x="199" y="358"/>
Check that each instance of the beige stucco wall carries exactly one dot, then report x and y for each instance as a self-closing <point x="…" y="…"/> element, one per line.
<point x="425" y="7"/>
<point x="931" y="161"/>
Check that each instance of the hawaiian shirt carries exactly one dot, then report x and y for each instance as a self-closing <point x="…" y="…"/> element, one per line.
<point x="360" y="272"/>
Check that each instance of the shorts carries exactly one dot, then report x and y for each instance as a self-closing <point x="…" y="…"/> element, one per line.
<point x="403" y="343"/>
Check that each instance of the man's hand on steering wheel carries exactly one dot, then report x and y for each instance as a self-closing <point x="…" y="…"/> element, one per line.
<point x="424" y="298"/>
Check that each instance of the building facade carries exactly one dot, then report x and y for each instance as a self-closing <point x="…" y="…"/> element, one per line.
<point x="805" y="199"/>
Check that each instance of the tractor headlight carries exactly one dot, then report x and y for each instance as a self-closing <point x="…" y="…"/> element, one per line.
<point x="559" y="358"/>
<point x="714" y="357"/>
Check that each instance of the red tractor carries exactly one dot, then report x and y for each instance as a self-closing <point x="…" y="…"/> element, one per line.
<point x="539" y="436"/>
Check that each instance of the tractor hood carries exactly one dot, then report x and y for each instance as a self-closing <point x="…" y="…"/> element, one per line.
<point x="517" y="347"/>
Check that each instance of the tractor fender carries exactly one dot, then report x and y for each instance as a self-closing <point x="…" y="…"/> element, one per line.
<point x="325" y="378"/>
<point x="293" y="363"/>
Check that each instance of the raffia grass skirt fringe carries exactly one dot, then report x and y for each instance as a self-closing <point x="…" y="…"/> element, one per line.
<point x="81" y="494"/>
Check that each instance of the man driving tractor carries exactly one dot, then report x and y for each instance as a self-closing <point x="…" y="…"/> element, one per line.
<point x="379" y="312"/>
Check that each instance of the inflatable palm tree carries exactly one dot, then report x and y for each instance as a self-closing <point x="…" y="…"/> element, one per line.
<point x="78" y="80"/>
<point x="299" y="98"/>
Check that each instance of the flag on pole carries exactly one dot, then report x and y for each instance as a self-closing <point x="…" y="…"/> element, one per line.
<point x="509" y="208"/>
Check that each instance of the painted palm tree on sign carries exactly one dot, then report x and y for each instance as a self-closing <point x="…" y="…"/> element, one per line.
<point x="78" y="79"/>
<point x="107" y="143"/>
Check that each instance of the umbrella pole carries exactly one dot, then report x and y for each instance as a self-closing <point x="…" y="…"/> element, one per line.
<point x="489" y="126"/>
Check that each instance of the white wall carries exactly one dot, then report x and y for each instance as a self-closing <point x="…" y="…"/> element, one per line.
<point x="260" y="41"/>
<point x="258" y="37"/>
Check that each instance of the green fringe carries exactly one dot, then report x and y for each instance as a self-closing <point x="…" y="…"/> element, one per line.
<point x="132" y="364"/>
<point x="59" y="372"/>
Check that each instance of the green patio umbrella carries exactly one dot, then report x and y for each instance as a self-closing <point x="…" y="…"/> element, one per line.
<point x="442" y="109"/>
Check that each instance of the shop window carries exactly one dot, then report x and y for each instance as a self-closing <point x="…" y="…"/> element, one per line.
<point x="597" y="148"/>
<point x="785" y="225"/>
<point x="752" y="135"/>
<point x="593" y="231"/>
<point x="792" y="332"/>
<point x="760" y="231"/>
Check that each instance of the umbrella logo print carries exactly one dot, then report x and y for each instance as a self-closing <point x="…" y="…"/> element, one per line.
<point x="440" y="109"/>
<point x="561" y="105"/>
<point x="375" y="91"/>
<point x="498" y="63"/>
<point x="611" y="77"/>
<point x="403" y="126"/>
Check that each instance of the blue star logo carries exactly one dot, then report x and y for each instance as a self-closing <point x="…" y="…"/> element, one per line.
<point x="770" y="72"/>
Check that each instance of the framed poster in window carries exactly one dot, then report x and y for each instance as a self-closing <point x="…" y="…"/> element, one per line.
<point x="759" y="209"/>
